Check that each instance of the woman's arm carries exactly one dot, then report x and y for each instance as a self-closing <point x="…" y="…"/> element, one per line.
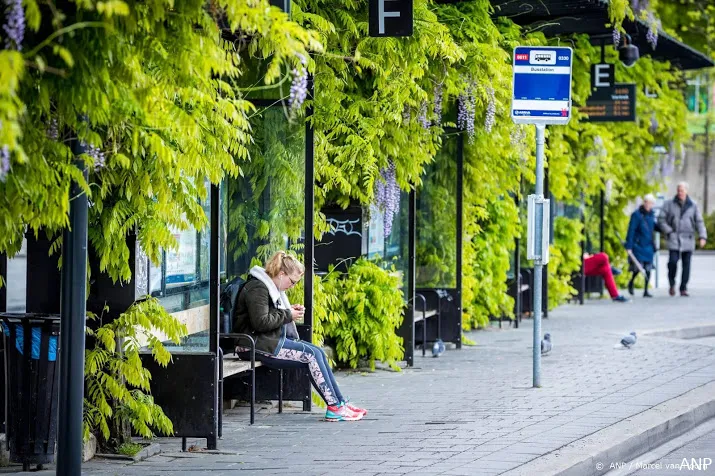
<point x="261" y="314"/>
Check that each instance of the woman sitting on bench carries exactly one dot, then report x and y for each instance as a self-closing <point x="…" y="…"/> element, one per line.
<point x="599" y="265"/>
<point x="263" y="311"/>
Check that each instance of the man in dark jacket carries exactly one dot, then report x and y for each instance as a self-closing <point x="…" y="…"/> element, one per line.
<point x="640" y="243"/>
<point x="680" y="220"/>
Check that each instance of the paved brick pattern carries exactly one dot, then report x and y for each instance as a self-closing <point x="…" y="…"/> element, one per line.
<point x="473" y="412"/>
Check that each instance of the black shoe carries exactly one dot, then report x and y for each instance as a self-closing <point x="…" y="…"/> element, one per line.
<point x="684" y="293"/>
<point x="647" y="295"/>
<point x="672" y="291"/>
<point x="630" y="288"/>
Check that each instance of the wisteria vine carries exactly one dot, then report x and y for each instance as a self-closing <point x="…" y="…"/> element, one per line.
<point x="466" y="110"/>
<point x="490" y="117"/>
<point x="387" y="195"/>
<point x="15" y="26"/>
<point x="299" y="86"/>
<point x="438" y="98"/>
<point x="4" y="163"/>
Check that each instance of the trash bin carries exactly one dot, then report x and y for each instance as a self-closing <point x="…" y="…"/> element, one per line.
<point x="30" y="342"/>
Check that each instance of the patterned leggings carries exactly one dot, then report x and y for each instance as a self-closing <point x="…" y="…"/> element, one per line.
<point x="301" y="354"/>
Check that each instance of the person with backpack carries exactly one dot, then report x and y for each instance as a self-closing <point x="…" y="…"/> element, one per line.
<point x="640" y="243"/>
<point x="680" y="221"/>
<point x="264" y="312"/>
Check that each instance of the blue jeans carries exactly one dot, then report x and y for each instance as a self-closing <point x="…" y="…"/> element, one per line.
<point x="301" y="354"/>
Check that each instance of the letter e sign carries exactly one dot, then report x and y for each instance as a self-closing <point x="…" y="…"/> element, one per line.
<point x="602" y="75"/>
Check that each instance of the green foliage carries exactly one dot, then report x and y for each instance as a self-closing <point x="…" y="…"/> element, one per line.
<point x="267" y="200"/>
<point x="710" y="227"/>
<point x="118" y="385"/>
<point x="564" y="259"/>
<point x="156" y="85"/>
<point x="361" y="311"/>
<point x="129" y="449"/>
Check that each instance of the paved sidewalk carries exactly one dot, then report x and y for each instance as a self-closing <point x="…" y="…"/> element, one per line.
<point x="473" y="412"/>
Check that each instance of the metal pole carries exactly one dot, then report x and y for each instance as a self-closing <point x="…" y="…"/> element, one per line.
<point x="538" y="266"/>
<point x="460" y="227"/>
<point x="214" y="311"/>
<point x="309" y="242"/>
<point x="72" y="328"/>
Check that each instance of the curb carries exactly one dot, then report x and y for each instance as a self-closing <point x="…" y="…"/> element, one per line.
<point x="595" y="454"/>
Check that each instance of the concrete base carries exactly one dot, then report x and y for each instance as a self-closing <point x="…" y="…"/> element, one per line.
<point x="596" y="454"/>
<point x="4" y="454"/>
<point x="90" y="448"/>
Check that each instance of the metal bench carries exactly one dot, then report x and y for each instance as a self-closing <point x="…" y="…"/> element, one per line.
<point x="424" y="314"/>
<point x="232" y="365"/>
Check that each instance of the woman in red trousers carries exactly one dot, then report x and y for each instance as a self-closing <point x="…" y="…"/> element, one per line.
<point x="599" y="265"/>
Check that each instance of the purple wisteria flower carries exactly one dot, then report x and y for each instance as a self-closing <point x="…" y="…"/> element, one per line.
<point x="299" y="86"/>
<point x="53" y="129"/>
<point x="653" y="28"/>
<point x="490" y="118"/>
<point x="14" y="27"/>
<point x="438" y="97"/>
<point x="423" y="119"/>
<point x="406" y="114"/>
<point x="653" y="124"/>
<point x="466" y="110"/>
<point x="4" y="162"/>
<point x="98" y="156"/>
<point x="616" y="37"/>
<point x="387" y="195"/>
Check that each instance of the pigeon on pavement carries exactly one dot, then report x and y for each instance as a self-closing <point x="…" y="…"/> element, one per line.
<point x="629" y="340"/>
<point x="546" y="345"/>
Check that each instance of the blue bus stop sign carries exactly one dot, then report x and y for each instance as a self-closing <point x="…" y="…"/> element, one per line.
<point x="542" y="85"/>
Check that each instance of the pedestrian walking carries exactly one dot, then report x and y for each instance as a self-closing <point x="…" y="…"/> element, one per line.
<point x="680" y="221"/>
<point x="640" y="242"/>
<point x="264" y="312"/>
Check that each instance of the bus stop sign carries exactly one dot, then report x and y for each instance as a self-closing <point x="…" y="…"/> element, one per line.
<point x="542" y="85"/>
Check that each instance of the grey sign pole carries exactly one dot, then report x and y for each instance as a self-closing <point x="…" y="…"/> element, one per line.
<point x="538" y="263"/>
<point x="541" y="95"/>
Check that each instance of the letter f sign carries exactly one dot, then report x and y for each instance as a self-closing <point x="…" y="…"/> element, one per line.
<point x="390" y="18"/>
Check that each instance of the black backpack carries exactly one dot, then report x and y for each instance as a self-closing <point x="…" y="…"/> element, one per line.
<point x="229" y="297"/>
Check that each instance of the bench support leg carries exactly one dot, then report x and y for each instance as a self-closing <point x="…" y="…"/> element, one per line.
<point x="280" y="391"/>
<point x="183" y="444"/>
<point x="211" y="443"/>
<point x="253" y="392"/>
<point x="220" y="393"/>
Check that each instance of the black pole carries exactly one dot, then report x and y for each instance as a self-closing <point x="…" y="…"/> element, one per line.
<point x="214" y="311"/>
<point x="309" y="211"/>
<point x="3" y="284"/>
<point x="72" y="327"/>
<point x="460" y="226"/>
<point x="309" y="242"/>
<point x="409" y="322"/>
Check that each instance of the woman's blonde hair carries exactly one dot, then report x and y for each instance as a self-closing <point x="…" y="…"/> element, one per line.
<point x="282" y="261"/>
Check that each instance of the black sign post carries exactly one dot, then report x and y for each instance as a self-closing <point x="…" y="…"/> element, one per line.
<point x="390" y="18"/>
<point x="614" y="104"/>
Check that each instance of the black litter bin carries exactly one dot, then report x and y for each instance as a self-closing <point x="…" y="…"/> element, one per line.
<point x="30" y="342"/>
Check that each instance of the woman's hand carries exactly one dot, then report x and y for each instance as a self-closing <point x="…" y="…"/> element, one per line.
<point x="297" y="313"/>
